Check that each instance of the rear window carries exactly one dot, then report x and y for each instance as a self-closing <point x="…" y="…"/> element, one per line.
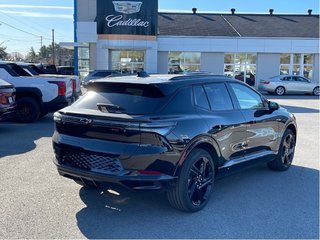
<point x="29" y="70"/>
<point x="19" y="70"/>
<point x="132" y="99"/>
<point x="36" y="69"/>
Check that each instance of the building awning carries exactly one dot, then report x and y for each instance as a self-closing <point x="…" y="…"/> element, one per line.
<point x="72" y="45"/>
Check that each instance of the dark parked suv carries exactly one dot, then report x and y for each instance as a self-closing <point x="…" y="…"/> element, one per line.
<point x="7" y="100"/>
<point x="176" y="133"/>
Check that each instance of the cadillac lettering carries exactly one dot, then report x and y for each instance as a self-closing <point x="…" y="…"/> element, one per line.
<point x="113" y="21"/>
<point x="133" y="17"/>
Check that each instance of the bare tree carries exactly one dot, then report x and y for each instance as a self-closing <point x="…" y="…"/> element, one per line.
<point x="3" y="53"/>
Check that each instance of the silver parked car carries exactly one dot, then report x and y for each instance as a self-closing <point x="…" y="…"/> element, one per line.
<point x="283" y="84"/>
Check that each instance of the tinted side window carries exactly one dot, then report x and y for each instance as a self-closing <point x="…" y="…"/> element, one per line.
<point x="299" y="79"/>
<point x="182" y="102"/>
<point x="286" y="79"/>
<point x="247" y="98"/>
<point x="200" y="97"/>
<point x="218" y="96"/>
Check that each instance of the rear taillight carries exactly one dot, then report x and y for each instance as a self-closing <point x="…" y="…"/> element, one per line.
<point x="7" y="97"/>
<point x="3" y="99"/>
<point x="61" y="88"/>
<point x="74" y="85"/>
<point x="265" y="82"/>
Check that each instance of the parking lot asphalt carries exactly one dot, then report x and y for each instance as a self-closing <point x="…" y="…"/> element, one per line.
<point x="256" y="203"/>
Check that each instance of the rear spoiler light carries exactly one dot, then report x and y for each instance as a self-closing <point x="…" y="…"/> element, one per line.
<point x="61" y="87"/>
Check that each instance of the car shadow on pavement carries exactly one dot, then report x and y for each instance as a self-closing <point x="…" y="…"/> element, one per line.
<point x="25" y="135"/>
<point x="295" y="109"/>
<point x="255" y="203"/>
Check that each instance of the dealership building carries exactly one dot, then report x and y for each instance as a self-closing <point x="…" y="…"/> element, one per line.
<point x="133" y="35"/>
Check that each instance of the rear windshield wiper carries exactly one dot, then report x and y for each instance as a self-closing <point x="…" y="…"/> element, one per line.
<point x="110" y="108"/>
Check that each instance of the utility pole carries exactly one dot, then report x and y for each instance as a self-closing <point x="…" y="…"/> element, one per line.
<point x="41" y="50"/>
<point x="53" y="50"/>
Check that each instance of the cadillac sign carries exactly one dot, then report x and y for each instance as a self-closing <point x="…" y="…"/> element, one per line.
<point x="127" y="17"/>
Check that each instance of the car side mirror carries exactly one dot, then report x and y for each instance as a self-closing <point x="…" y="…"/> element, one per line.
<point x="273" y="105"/>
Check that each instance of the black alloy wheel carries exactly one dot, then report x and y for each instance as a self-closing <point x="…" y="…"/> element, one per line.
<point x="195" y="183"/>
<point x="286" y="152"/>
<point x="27" y="110"/>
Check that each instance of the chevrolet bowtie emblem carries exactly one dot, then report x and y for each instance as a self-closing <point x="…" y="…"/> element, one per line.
<point x="85" y="121"/>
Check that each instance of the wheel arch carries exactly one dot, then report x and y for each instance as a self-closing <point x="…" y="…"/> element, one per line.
<point x="35" y="93"/>
<point x="207" y="144"/>
<point x="293" y="128"/>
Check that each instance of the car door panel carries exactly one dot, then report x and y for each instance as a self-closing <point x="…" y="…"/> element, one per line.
<point x="226" y="125"/>
<point x="262" y="127"/>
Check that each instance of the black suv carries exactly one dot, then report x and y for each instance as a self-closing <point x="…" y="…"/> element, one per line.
<point x="7" y="100"/>
<point x="173" y="133"/>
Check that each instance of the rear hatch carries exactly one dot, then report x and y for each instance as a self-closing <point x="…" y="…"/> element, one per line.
<point x="110" y="117"/>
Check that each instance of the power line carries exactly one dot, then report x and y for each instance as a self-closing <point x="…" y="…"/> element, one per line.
<point x="19" y="29"/>
<point x="17" y="38"/>
<point x="23" y="22"/>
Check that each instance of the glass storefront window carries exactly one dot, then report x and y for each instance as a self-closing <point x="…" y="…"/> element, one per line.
<point x="307" y="59"/>
<point x="285" y="58"/>
<point x="296" y="64"/>
<point x="296" y="70"/>
<point x="241" y="66"/>
<point x="296" y="58"/>
<point x="251" y="58"/>
<point x="284" y="69"/>
<point x="229" y="58"/>
<point x="179" y="62"/>
<point x="307" y="71"/>
<point x="83" y="61"/>
<point x="229" y="70"/>
<point x="127" y="61"/>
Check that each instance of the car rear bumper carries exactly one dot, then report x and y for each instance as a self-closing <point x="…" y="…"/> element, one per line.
<point x="132" y="180"/>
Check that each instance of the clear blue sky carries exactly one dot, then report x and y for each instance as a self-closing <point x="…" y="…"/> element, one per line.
<point x="38" y="17"/>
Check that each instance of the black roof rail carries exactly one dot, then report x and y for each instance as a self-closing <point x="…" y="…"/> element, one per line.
<point x="194" y="76"/>
<point x="142" y="74"/>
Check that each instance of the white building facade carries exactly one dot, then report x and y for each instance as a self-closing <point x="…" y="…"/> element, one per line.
<point x="238" y="45"/>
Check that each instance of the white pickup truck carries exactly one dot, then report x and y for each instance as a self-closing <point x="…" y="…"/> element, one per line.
<point x="36" y="96"/>
<point x="35" y="71"/>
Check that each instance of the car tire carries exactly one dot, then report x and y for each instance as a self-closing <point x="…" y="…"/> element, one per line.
<point x="27" y="110"/>
<point x="316" y="91"/>
<point x="280" y="91"/>
<point x="195" y="183"/>
<point x="285" y="155"/>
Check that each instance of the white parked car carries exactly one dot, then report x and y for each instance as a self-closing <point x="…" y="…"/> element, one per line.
<point x="283" y="84"/>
